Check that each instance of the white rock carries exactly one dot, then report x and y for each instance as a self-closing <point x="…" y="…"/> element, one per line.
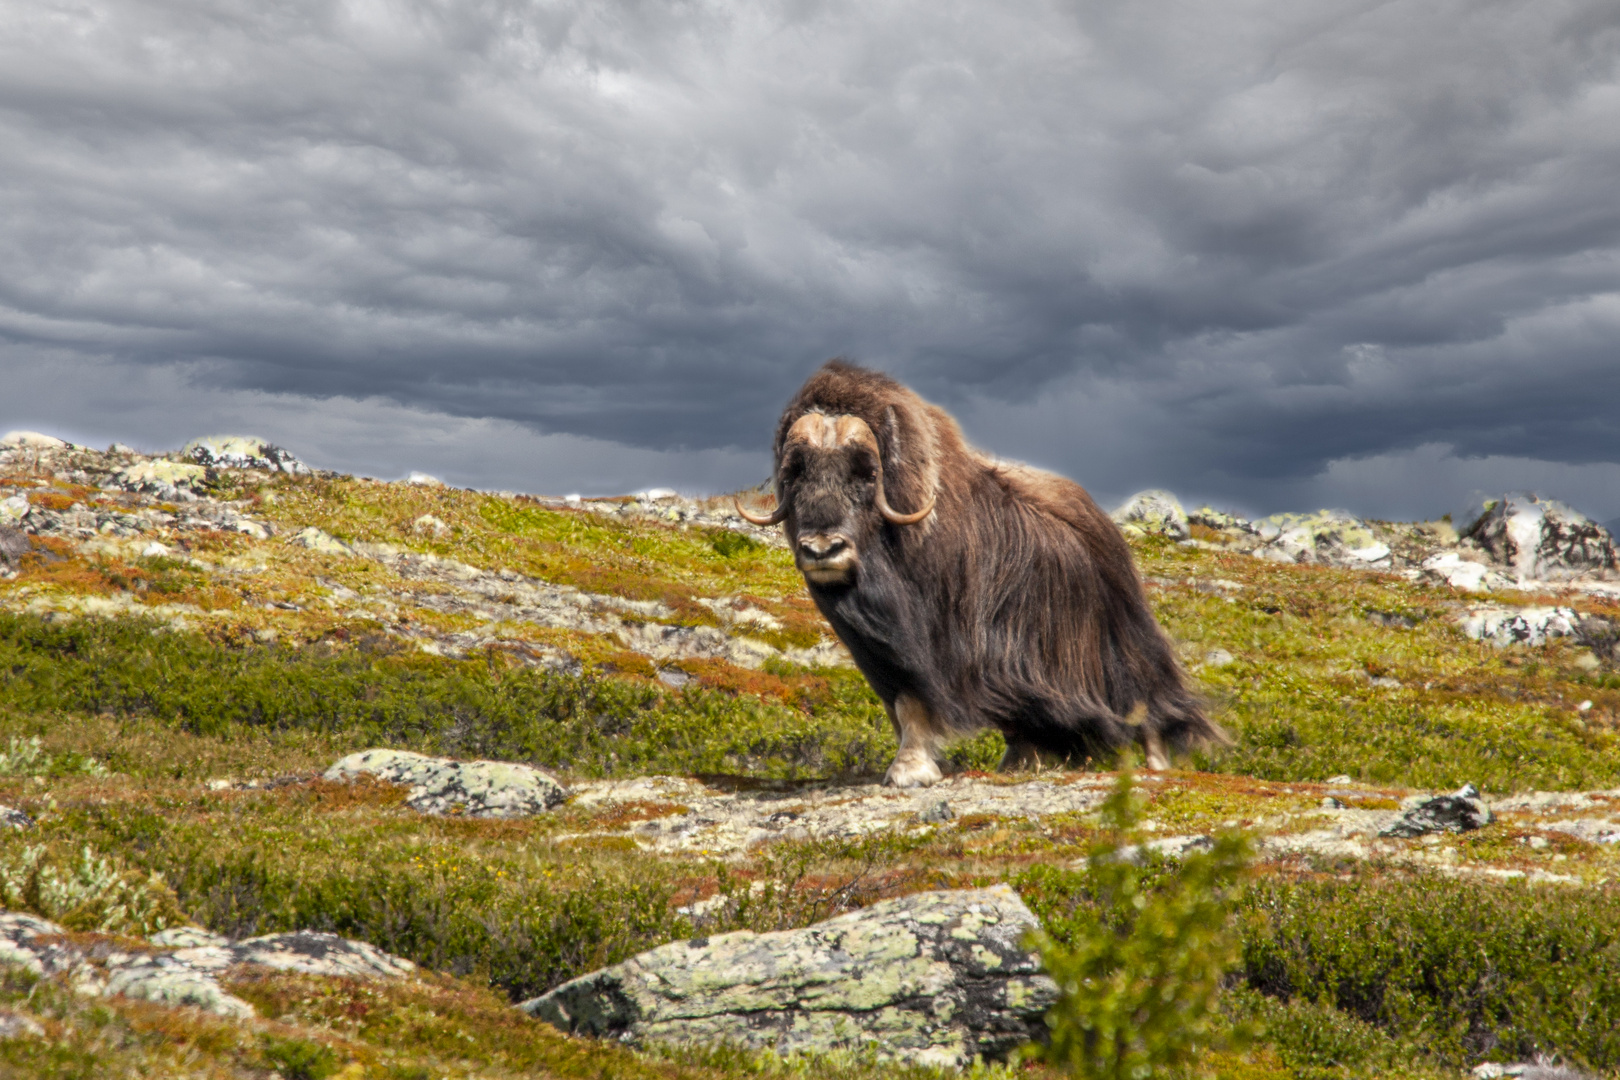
<point x="1370" y="554"/>
<point x="14" y="508"/>
<point x="657" y="493"/>
<point x="242" y="452"/>
<point x="573" y="498"/>
<point x="424" y="479"/>
<point x="154" y="550"/>
<point x="31" y="439"/>
<point x="1461" y="573"/>
<point x="1503" y="626"/>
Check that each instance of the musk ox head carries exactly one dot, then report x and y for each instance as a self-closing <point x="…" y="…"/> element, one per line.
<point x="829" y="482"/>
<point x="857" y="456"/>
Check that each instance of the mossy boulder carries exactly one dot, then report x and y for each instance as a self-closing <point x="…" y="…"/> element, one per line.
<point x="936" y="978"/>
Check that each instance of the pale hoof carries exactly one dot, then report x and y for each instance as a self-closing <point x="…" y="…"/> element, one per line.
<point x="912" y="773"/>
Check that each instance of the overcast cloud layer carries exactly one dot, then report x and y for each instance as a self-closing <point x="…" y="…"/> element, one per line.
<point x="1276" y="253"/>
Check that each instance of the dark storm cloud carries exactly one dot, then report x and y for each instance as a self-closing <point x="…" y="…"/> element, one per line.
<point x="1276" y="238"/>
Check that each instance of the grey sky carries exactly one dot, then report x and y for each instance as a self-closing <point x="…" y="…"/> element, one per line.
<point x="1275" y="253"/>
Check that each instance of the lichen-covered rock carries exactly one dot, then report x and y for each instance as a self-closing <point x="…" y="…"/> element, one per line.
<point x="168" y="979"/>
<point x="188" y="975"/>
<point x="176" y="481"/>
<point x="1328" y="537"/>
<point x="1156" y="513"/>
<point x="1542" y="539"/>
<point x="1504" y="626"/>
<point x="937" y="978"/>
<point x="306" y="951"/>
<point x="242" y="452"/>
<point x="187" y="937"/>
<point x="489" y="789"/>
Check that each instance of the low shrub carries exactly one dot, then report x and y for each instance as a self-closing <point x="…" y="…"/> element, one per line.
<point x="584" y="724"/>
<point x="1470" y="970"/>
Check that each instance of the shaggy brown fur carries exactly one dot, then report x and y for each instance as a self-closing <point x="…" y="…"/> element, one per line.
<point x="1014" y="604"/>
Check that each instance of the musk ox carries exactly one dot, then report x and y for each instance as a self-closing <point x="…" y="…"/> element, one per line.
<point x="971" y="592"/>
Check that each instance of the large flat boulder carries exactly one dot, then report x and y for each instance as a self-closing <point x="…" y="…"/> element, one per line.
<point x="937" y="978"/>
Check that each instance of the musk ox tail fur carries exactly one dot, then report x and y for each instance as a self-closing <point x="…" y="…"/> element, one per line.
<point x="972" y="592"/>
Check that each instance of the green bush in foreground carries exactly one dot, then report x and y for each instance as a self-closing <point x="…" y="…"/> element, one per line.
<point x="1140" y="974"/>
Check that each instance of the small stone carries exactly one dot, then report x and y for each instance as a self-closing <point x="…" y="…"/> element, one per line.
<point x="424" y="480"/>
<point x="936" y="811"/>
<point x="154" y="550"/>
<point x="322" y="543"/>
<point x="1217" y="658"/>
<point x="1340" y="779"/>
<point x="1330" y="803"/>
<point x="14" y="819"/>
<point x="427" y="523"/>
<point x="1585" y="706"/>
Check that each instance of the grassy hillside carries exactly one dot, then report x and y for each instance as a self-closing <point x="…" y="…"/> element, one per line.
<point x="165" y="714"/>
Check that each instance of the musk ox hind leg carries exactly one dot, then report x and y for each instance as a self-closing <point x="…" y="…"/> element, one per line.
<point x="1021" y="754"/>
<point x="920" y="738"/>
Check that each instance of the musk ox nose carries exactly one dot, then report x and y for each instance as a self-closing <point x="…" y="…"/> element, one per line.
<point x="820" y="546"/>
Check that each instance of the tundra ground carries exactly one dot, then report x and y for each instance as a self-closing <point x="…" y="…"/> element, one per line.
<point x="164" y="719"/>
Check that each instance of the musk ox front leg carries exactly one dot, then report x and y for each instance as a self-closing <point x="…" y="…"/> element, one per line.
<point x="920" y="739"/>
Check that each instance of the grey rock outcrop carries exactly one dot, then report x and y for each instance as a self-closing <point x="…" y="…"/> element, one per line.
<point x="242" y="452"/>
<point x="484" y="789"/>
<point x="1542" y="539"/>
<point x="937" y="978"/>
<point x="1156" y="513"/>
<point x="188" y="975"/>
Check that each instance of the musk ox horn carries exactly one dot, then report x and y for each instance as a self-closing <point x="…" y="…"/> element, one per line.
<point x="890" y="514"/>
<point x="773" y="518"/>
